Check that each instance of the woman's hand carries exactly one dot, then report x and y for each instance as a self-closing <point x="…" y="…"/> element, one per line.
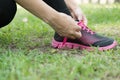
<point x="75" y="10"/>
<point x="66" y="26"/>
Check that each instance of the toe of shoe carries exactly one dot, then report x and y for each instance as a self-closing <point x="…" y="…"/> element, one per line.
<point x="103" y="42"/>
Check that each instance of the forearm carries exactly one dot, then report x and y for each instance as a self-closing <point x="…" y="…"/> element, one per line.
<point x="76" y="11"/>
<point x="39" y="9"/>
<point x="63" y="24"/>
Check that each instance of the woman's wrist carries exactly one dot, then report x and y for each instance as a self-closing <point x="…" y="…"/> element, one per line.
<point x="52" y="18"/>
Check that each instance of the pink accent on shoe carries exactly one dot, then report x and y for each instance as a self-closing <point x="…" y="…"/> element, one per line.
<point x="114" y="44"/>
<point x="64" y="41"/>
<point x="69" y="45"/>
<point x="84" y="27"/>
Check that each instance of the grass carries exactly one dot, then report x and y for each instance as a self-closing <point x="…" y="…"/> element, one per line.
<point x="26" y="52"/>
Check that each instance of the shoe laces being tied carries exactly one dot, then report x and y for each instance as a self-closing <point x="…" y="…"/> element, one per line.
<point x="83" y="27"/>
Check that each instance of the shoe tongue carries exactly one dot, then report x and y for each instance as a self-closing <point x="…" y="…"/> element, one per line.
<point x="84" y="27"/>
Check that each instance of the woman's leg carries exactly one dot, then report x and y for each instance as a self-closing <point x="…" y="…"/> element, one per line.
<point x="7" y="11"/>
<point x="58" y="5"/>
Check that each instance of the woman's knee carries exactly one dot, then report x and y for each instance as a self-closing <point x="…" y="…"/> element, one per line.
<point x="7" y="11"/>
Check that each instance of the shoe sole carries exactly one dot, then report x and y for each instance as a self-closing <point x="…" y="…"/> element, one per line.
<point x="69" y="45"/>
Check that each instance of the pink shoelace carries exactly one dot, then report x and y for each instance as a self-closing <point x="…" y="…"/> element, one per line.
<point x="83" y="27"/>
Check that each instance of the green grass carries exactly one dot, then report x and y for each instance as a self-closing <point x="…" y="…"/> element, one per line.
<point x="26" y="52"/>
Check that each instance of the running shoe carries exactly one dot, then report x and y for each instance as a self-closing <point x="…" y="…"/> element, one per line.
<point x="89" y="40"/>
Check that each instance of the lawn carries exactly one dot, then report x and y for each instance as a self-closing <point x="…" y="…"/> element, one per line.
<point x="26" y="52"/>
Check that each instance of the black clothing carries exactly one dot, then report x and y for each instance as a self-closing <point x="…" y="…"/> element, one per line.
<point x="7" y="11"/>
